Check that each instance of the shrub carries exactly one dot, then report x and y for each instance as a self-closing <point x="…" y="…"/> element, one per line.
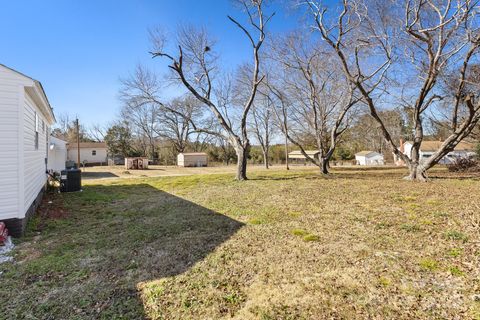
<point x="464" y="164"/>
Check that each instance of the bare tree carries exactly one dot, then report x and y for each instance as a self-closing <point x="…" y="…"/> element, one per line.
<point x="176" y="126"/>
<point x="65" y="129"/>
<point x="280" y="104"/>
<point x="366" y="132"/>
<point x="436" y="36"/>
<point x="195" y="67"/>
<point x="320" y="98"/>
<point x="262" y="125"/>
<point x="96" y="132"/>
<point x="143" y="117"/>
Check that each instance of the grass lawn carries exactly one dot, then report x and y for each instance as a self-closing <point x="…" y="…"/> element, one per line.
<point x="283" y="245"/>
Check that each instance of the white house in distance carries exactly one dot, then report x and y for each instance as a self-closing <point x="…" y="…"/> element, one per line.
<point x="25" y="121"/>
<point x="192" y="159"/>
<point x="428" y="148"/>
<point x="91" y="153"/>
<point x="57" y="154"/>
<point x="369" y="158"/>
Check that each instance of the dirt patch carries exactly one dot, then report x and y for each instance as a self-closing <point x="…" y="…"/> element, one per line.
<point x="51" y="208"/>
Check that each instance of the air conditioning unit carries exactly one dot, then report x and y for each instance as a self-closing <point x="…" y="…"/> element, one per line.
<point x="71" y="180"/>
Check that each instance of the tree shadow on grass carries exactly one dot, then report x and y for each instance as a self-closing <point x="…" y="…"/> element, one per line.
<point x="97" y="175"/>
<point x="90" y="263"/>
<point x="275" y="178"/>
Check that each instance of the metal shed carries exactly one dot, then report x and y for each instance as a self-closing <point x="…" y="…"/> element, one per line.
<point x="369" y="158"/>
<point x="193" y="159"/>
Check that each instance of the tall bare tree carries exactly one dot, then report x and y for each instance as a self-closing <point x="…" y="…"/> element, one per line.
<point x="195" y="67"/>
<point x="176" y="126"/>
<point x="435" y="36"/>
<point x="320" y="98"/>
<point x="146" y="108"/>
<point x="97" y="132"/>
<point x="262" y="125"/>
<point x="143" y="117"/>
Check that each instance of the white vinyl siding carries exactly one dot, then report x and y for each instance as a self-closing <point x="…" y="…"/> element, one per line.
<point x="35" y="176"/>
<point x="87" y="156"/>
<point x="10" y="85"/>
<point x="23" y="168"/>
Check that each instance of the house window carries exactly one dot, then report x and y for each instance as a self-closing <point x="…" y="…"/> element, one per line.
<point x="94" y="152"/>
<point x="36" y="122"/>
<point x="36" y="131"/>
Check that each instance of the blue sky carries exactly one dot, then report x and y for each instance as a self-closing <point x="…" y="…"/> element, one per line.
<point x="80" y="49"/>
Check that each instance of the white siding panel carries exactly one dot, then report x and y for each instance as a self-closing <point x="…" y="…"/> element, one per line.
<point x="34" y="165"/>
<point x="10" y="84"/>
<point x="86" y="155"/>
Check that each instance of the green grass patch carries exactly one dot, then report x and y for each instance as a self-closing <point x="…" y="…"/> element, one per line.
<point x="410" y="227"/>
<point x="311" y="237"/>
<point x="456" y="236"/>
<point x="429" y="264"/>
<point x="299" y="232"/>
<point x="456" y="271"/>
<point x="455" y="252"/>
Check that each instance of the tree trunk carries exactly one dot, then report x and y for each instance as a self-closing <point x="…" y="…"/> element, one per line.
<point x="265" y="159"/>
<point x="286" y="152"/>
<point x="242" y="156"/>
<point x="324" y="166"/>
<point x="417" y="170"/>
<point x="417" y="173"/>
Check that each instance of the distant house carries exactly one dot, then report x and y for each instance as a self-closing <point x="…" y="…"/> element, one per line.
<point x="298" y="156"/>
<point x="25" y="121"/>
<point x="369" y="158"/>
<point x="91" y="153"/>
<point x="192" y="159"/>
<point x="57" y="154"/>
<point x="428" y="148"/>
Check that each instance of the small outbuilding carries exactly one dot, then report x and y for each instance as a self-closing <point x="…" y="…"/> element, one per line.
<point x="369" y="158"/>
<point x="299" y="158"/>
<point x="192" y="159"/>
<point x="136" y="163"/>
<point x="57" y="154"/>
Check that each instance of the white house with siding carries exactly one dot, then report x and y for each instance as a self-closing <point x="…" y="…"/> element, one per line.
<point x="427" y="148"/>
<point x="25" y="121"/>
<point x="91" y="153"/>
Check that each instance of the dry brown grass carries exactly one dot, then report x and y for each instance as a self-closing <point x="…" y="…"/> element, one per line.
<point x="358" y="245"/>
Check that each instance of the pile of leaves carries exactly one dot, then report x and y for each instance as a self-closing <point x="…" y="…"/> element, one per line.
<point x="464" y="164"/>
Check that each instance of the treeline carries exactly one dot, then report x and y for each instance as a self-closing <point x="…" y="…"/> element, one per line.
<point x="358" y="74"/>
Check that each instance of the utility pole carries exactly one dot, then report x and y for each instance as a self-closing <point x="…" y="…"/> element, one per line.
<point x="78" y="143"/>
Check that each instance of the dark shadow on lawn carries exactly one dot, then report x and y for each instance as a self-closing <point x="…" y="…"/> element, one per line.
<point x="97" y="175"/>
<point x="114" y="238"/>
<point x="270" y="178"/>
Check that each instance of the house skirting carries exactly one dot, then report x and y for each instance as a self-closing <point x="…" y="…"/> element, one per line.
<point x="16" y="227"/>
